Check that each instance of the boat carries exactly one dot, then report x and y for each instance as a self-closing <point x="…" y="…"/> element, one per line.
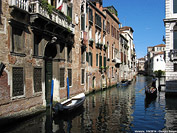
<point x="70" y="104"/>
<point x="124" y="83"/>
<point x="150" y="91"/>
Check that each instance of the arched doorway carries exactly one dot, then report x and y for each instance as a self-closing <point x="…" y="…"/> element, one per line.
<point x="50" y="53"/>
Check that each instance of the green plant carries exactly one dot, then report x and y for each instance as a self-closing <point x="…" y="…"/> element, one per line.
<point x="47" y="6"/>
<point x="69" y="19"/>
<point x="159" y="74"/>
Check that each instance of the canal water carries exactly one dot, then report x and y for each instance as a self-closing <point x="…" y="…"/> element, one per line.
<point x="115" y="110"/>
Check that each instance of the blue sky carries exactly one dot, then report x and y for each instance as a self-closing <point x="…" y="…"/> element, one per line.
<point x="146" y="19"/>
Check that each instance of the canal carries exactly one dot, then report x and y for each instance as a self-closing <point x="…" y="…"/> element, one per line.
<point x="115" y="110"/>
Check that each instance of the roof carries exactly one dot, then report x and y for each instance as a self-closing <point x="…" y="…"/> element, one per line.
<point x="160" y="45"/>
<point x="141" y="59"/>
<point x="126" y="28"/>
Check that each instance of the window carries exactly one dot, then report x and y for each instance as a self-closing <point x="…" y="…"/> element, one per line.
<point x="37" y="74"/>
<point x="174" y="6"/>
<point x="175" y="67"/>
<point x="108" y="49"/>
<point x="62" y="51"/>
<point x="17" y="40"/>
<point x="18" y="81"/>
<point x="112" y="31"/>
<point x="104" y="61"/>
<point x="98" y="20"/>
<point x="82" y="56"/>
<point x="108" y="27"/>
<point x="83" y="76"/>
<point x="69" y="13"/>
<point x="62" y="77"/>
<point x="100" y="61"/>
<point x="96" y="59"/>
<point x="70" y="76"/>
<point x="175" y="40"/>
<point x="37" y="40"/>
<point x="69" y="54"/>
<point x="83" y="22"/>
<point x="89" y="58"/>
<point x="117" y="35"/>
<point x="90" y="15"/>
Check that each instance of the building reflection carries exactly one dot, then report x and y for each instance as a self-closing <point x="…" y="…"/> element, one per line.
<point x="171" y="113"/>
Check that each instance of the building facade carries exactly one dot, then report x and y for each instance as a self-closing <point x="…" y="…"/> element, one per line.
<point x="127" y="32"/>
<point x="155" y="56"/>
<point x="66" y="43"/>
<point x="170" y="22"/>
<point x="39" y="46"/>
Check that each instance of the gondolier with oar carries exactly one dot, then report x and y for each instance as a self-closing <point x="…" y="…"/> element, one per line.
<point x="154" y="81"/>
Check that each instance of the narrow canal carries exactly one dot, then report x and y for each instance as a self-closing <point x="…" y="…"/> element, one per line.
<point x="115" y="110"/>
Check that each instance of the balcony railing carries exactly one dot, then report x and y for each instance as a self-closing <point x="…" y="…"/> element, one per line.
<point x="23" y="4"/>
<point x="173" y="54"/>
<point x="54" y="16"/>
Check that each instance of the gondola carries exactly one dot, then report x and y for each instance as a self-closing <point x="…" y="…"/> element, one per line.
<point x="124" y="83"/>
<point x="69" y="105"/>
<point x="151" y="92"/>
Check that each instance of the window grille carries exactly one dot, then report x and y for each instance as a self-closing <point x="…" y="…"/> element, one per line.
<point x="18" y="81"/>
<point x="37" y="79"/>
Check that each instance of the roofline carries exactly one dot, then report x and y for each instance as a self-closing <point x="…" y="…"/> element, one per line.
<point x="90" y="3"/>
<point x="105" y="9"/>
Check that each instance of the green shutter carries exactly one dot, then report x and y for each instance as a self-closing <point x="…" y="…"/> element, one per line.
<point x="100" y="61"/>
<point x="83" y="22"/>
<point x="104" y="62"/>
<point x="87" y="57"/>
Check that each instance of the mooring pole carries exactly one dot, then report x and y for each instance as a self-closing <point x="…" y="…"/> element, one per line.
<point x="67" y="87"/>
<point x="51" y="97"/>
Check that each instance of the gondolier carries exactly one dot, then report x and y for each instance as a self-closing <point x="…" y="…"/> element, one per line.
<point x="154" y="81"/>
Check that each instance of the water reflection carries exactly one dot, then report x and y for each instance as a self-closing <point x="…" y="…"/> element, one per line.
<point x="122" y="109"/>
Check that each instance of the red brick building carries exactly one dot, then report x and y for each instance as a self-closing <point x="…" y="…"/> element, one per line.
<point x="37" y="46"/>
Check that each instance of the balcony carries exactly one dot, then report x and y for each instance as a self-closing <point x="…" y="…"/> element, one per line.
<point x="173" y="54"/>
<point x="36" y="10"/>
<point x="55" y="16"/>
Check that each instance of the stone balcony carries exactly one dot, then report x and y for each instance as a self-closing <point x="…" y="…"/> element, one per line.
<point x="35" y="9"/>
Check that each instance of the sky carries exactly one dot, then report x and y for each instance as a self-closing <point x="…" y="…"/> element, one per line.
<point x="146" y="19"/>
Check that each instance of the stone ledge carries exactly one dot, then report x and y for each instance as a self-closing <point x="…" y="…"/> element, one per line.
<point x="20" y="116"/>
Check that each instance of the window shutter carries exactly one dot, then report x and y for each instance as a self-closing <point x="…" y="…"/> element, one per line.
<point x="96" y="59"/>
<point x="83" y="22"/>
<point x="62" y="77"/>
<point x="87" y="57"/>
<point x="104" y="62"/>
